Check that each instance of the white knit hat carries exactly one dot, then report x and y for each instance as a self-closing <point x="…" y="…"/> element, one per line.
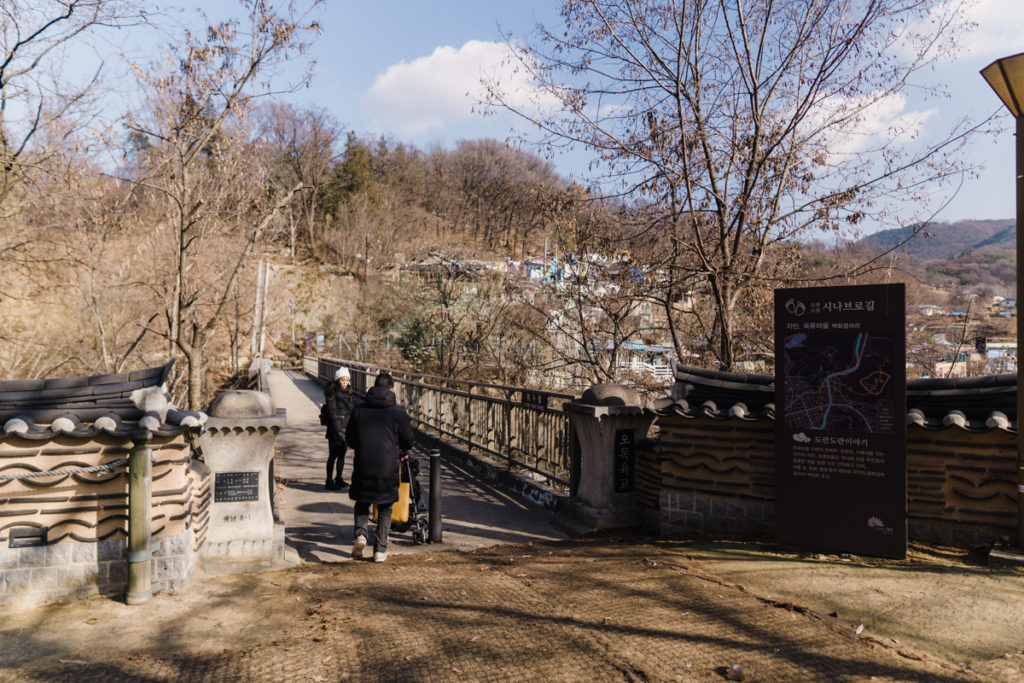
<point x="341" y="372"/>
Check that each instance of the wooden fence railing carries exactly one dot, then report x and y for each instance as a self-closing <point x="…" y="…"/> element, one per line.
<point x="524" y="429"/>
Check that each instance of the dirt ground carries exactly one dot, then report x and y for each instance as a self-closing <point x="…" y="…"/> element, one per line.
<point x="946" y="601"/>
<point x="596" y="609"/>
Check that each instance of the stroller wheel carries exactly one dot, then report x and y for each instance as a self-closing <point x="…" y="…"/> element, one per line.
<point x="419" y="532"/>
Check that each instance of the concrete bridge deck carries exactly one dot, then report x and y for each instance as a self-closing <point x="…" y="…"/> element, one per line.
<point x="318" y="523"/>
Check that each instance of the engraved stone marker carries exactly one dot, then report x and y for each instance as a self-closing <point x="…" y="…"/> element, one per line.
<point x="238" y="445"/>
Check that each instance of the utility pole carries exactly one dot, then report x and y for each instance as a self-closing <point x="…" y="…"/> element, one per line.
<point x="554" y="264"/>
<point x="544" y="261"/>
<point x="263" y="314"/>
<point x="256" y="310"/>
<point x="1004" y="76"/>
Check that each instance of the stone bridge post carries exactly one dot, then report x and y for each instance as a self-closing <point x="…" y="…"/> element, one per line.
<point x="609" y="421"/>
<point x="238" y="446"/>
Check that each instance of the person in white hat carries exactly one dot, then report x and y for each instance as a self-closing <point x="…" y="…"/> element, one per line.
<point x="338" y="403"/>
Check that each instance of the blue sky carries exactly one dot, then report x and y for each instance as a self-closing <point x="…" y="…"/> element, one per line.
<point x="404" y="67"/>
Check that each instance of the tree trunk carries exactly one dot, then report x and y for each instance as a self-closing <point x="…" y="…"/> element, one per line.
<point x="196" y="364"/>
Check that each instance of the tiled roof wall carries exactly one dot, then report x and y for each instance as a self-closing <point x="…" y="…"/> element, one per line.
<point x="87" y="397"/>
<point x="717" y="445"/>
<point x="973" y="403"/>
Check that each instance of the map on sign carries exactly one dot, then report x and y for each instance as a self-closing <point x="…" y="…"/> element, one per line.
<point x="839" y="381"/>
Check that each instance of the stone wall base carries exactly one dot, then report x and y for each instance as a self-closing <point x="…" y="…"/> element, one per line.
<point x="603" y="518"/>
<point x="955" y="535"/>
<point x="174" y="561"/>
<point x="73" y="570"/>
<point x="686" y="513"/>
<point x="699" y="513"/>
<point x="248" y="555"/>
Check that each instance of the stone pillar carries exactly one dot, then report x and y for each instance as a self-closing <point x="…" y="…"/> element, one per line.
<point x="140" y="510"/>
<point x="609" y="421"/>
<point x="238" y="445"/>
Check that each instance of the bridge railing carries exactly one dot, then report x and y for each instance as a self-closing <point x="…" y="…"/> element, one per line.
<point x="524" y="429"/>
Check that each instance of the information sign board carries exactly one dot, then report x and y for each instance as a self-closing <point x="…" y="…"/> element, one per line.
<point x="840" y="419"/>
<point x="535" y="400"/>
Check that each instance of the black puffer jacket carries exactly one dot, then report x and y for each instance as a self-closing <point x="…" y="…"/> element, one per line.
<point x="339" y="403"/>
<point x="379" y="431"/>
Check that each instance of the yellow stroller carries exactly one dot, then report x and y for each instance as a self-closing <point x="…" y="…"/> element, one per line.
<point x="409" y="512"/>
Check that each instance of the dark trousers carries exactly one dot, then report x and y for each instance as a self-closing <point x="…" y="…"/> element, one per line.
<point x="336" y="459"/>
<point x="380" y="544"/>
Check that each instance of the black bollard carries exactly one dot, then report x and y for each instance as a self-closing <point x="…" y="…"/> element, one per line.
<point x="435" y="495"/>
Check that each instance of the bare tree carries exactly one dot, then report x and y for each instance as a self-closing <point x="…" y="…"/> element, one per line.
<point x="456" y="305"/>
<point x="303" y="142"/>
<point x="448" y="316"/>
<point x="590" y="305"/>
<point x="200" y="161"/>
<point x="84" y="220"/>
<point x="496" y="194"/>
<point x="38" y="37"/>
<point x="742" y="123"/>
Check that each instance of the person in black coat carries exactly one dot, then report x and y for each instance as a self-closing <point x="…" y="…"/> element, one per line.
<point x="379" y="432"/>
<point x="339" y="401"/>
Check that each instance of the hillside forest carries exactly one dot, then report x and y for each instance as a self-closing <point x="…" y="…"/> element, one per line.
<point x="212" y="221"/>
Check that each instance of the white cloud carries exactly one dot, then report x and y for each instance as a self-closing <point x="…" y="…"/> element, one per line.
<point x="888" y="120"/>
<point x="1000" y="25"/>
<point x="878" y="121"/>
<point x="433" y="92"/>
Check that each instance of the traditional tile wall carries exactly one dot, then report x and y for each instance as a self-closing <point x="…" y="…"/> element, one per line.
<point x="85" y="518"/>
<point x="717" y="476"/>
<point x="961" y="485"/>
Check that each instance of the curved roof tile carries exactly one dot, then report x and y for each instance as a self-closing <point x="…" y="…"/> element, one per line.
<point x="84" y="407"/>
<point x="973" y="403"/>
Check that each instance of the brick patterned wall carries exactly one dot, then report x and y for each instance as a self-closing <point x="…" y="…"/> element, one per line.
<point x="85" y="517"/>
<point x="718" y="476"/>
<point x="90" y="507"/>
<point x="961" y="486"/>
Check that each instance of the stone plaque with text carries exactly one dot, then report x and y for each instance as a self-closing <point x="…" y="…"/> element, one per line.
<point x="625" y="461"/>
<point x="236" y="487"/>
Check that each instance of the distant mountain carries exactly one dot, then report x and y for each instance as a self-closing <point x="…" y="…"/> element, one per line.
<point x="947" y="240"/>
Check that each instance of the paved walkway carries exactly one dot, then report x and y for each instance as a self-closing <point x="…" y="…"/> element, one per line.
<point x="318" y="523"/>
<point x="607" y="609"/>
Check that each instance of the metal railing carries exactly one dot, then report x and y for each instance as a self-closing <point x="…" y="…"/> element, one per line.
<point x="524" y="429"/>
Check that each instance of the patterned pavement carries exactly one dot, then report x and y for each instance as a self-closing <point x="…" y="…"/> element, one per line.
<point x="589" y="610"/>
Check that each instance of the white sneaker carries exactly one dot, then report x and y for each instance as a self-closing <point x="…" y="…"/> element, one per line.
<point x="380" y="556"/>
<point x="357" y="547"/>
